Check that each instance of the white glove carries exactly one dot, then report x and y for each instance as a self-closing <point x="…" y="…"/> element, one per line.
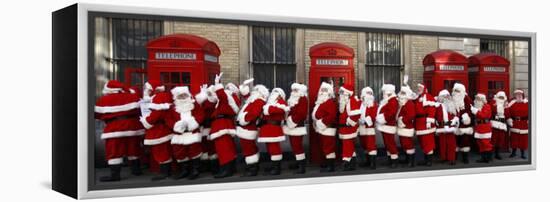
<point x="350" y="122"/>
<point x="243" y="122"/>
<point x="180" y="126"/>
<point x="290" y="123"/>
<point x="400" y="123"/>
<point x="454" y="122"/>
<point x="248" y="81"/>
<point x="218" y="78"/>
<point x="466" y="119"/>
<point x="474" y="110"/>
<point x="368" y="121"/>
<point x="204" y="89"/>
<point x="320" y="125"/>
<point x="380" y="119"/>
<point x="429" y="123"/>
<point x="510" y="122"/>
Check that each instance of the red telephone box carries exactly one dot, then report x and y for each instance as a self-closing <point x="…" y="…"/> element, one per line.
<point x="444" y="68"/>
<point x="329" y="62"/>
<point x="488" y="74"/>
<point x="183" y="60"/>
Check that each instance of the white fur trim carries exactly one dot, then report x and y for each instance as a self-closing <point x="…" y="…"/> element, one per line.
<point x="197" y="156"/>
<point x="161" y="106"/>
<point x="192" y="124"/>
<point x="299" y="131"/>
<point x="300" y="157"/>
<point x="118" y="108"/>
<point x="430" y="120"/>
<point x="144" y="122"/>
<point x="381" y="119"/>
<point x="213" y="157"/>
<point x="410" y="151"/>
<point x="465" y="149"/>
<point x="127" y="133"/>
<point x="326" y="131"/>
<point x="429" y="103"/>
<point x="182" y="160"/>
<point x="446" y="129"/>
<point x="290" y="123"/>
<point x="205" y="132"/>
<point x="218" y="86"/>
<point x="131" y="158"/>
<point x="252" y="159"/>
<point x="519" y="131"/>
<point x="272" y="139"/>
<point x="363" y="130"/>
<point x="241" y="118"/>
<point x="186" y="138"/>
<point x="244" y="89"/>
<point x="426" y="131"/>
<point x="246" y="134"/>
<point x="387" y="129"/>
<point x="465" y="131"/>
<point x="405" y="132"/>
<point x="232" y="103"/>
<point x="394" y="156"/>
<point x="350" y="122"/>
<point x="498" y="125"/>
<point x="201" y="97"/>
<point x="466" y="119"/>
<point x="277" y="157"/>
<point x="331" y="155"/>
<point x="204" y="156"/>
<point x="373" y="152"/>
<point x="320" y="125"/>
<point x="114" y="161"/>
<point x="222" y="132"/>
<point x="158" y="140"/>
<point x="347" y="136"/>
<point x="482" y="135"/>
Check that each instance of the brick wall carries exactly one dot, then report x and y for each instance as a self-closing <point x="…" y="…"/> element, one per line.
<point x="418" y="47"/>
<point x="520" y="66"/>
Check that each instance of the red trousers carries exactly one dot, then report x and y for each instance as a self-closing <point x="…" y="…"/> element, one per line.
<point x="296" y="143"/>
<point x="120" y="147"/>
<point x="348" y="149"/>
<point x="208" y="148"/>
<point x="186" y="152"/>
<point x="427" y="143"/>
<point x="407" y="144"/>
<point x="519" y="141"/>
<point x="225" y="149"/>
<point x="249" y="149"/>
<point x="498" y="138"/>
<point x="389" y="143"/>
<point x="162" y="153"/>
<point x="368" y="142"/>
<point x="274" y="149"/>
<point x="484" y="145"/>
<point x="328" y="145"/>
<point x="447" y="146"/>
<point x="464" y="142"/>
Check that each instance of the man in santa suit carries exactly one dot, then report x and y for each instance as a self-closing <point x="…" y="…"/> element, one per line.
<point x="425" y="123"/>
<point x="185" y="117"/>
<point x="405" y="123"/>
<point x="207" y="100"/>
<point x="465" y="131"/>
<point x="498" y="121"/>
<point x="324" y="117"/>
<point x="348" y="122"/>
<point x="482" y="112"/>
<point x="446" y="122"/>
<point x="519" y="123"/>
<point x="247" y="129"/>
<point x="271" y="131"/>
<point x="122" y="133"/>
<point x="386" y="122"/>
<point x="367" y="133"/>
<point x="223" y="127"/>
<point x="294" y="126"/>
<point x="158" y="134"/>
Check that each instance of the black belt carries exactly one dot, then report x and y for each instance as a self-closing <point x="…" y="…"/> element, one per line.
<point x="500" y="120"/>
<point x="121" y="118"/>
<point x="482" y="121"/>
<point x="443" y="123"/>
<point x="206" y="123"/>
<point x="519" y="118"/>
<point x="222" y="116"/>
<point x="421" y="116"/>
<point x="273" y="122"/>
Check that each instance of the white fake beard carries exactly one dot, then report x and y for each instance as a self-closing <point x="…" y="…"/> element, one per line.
<point x="402" y="99"/>
<point x="342" y="102"/>
<point x="450" y="106"/>
<point x="458" y="98"/>
<point x="322" y="97"/>
<point x="253" y="96"/>
<point x="368" y="100"/>
<point x="273" y="98"/>
<point x="294" y="98"/>
<point x="478" y="104"/>
<point x="500" y="106"/>
<point x="185" y="105"/>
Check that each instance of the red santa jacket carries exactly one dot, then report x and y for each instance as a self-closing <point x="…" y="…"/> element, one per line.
<point x="368" y="118"/>
<point x="185" y="125"/>
<point x="247" y="119"/>
<point x="425" y="113"/>
<point x="519" y="116"/>
<point x="483" y="124"/>
<point x="466" y="119"/>
<point x="406" y="118"/>
<point x="349" y="119"/>
<point x="224" y="113"/>
<point x="296" y="117"/>
<point x="120" y="112"/>
<point x="273" y="115"/>
<point x="157" y="131"/>
<point x="387" y="110"/>
<point x="324" y="117"/>
<point x="446" y="122"/>
<point x="498" y="120"/>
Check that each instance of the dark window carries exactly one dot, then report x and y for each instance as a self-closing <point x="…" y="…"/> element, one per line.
<point x="498" y="47"/>
<point x="493" y="88"/>
<point x="383" y="61"/>
<point x="173" y="79"/>
<point x="130" y="36"/>
<point x="273" y="56"/>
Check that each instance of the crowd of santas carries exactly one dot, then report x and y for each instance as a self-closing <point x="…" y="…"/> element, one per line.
<point x="197" y="131"/>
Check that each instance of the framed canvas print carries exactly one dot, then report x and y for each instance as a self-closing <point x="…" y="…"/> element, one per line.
<point x="151" y="101"/>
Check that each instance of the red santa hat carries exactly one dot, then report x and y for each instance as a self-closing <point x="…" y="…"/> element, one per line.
<point x="519" y="91"/>
<point x="366" y="90"/>
<point x="177" y="91"/>
<point x="423" y="87"/>
<point x="482" y="97"/>
<point x="408" y="91"/>
<point x="388" y="88"/>
<point x="154" y="85"/>
<point x="232" y="88"/>
<point x="262" y="90"/>
<point x="327" y="86"/>
<point x="500" y="94"/>
<point x="280" y="92"/>
<point x="301" y="88"/>
<point x="460" y="87"/>
<point x="113" y="86"/>
<point x="347" y="89"/>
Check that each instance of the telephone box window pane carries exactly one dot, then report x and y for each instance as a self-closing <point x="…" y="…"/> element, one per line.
<point x="165" y="77"/>
<point x="186" y="78"/>
<point x="175" y="77"/>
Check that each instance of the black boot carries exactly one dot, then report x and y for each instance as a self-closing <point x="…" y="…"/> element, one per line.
<point x="185" y="167"/>
<point x="393" y="163"/>
<point x="410" y="160"/>
<point x="513" y="154"/>
<point x="115" y="174"/>
<point x="251" y="170"/>
<point x="465" y="158"/>
<point x="483" y="158"/>
<point x="225" y="170"/>
<point x="301" y="169"/>
<point x="275" y="168"/>
<point x="164" y="172"/>
<point x="293" y="165"/>
<point x="205" y="166"/>
<point x="372" y="162"/>
<point x="523" y="154"/>
<point x="329" y="166"/>
<point x="195" y="169"/>
<point x="428" y="159"/>
<point x="349" y="165"/>
<point x="489" y="156"/>
<point x="214" y="166"/>
<point x="497" y="153"/>
<point x="135" y="167"/>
